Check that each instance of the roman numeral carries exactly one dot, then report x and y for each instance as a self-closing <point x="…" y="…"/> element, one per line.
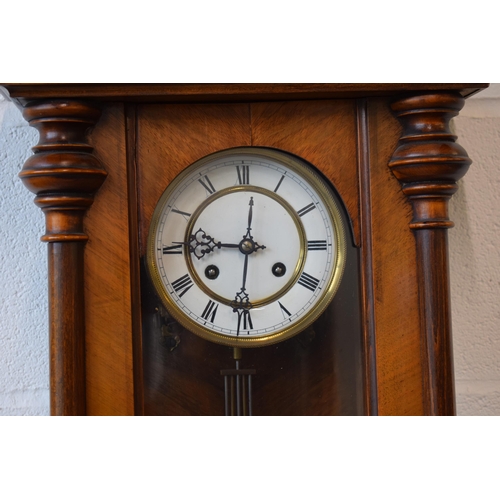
<point x="172" y="249"/>
<point x="210" y="311"/>
<point x="207" y="185"/>
<point x="182" y="285"/>
<point x="184" y="214"/>
<point x="306" y="209"/>
<point x="308" y="281"/>
<point x="243" y="174"/>
<point x="316" y="245"/>
<point x="247" y="321"/>
<point x="244" y="320"/>
<point x="284" y="310"/>
<point x="279" y="184"/>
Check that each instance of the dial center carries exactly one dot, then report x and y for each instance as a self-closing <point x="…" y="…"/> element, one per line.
<point x="247" y="246"/>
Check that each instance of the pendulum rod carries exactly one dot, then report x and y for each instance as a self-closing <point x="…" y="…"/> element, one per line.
<point x="237" y="388"/>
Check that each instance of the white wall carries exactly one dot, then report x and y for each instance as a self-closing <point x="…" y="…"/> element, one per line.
<point x="24" y="379"/>
<point x="474" y="267"/>
<point x="475" y="258"/>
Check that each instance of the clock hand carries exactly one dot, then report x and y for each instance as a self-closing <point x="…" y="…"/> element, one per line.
<point x="200" y="244"/>
<point x="247" y="244"/>
<point x="250" y="215"/>
<point x="245" y="269"/>
<point x="241" y="303"/>
<point x="241" y="299"/>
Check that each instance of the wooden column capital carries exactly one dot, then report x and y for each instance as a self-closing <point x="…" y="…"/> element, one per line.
<point x="428" y="163"/>
<point x="64" y="174"/>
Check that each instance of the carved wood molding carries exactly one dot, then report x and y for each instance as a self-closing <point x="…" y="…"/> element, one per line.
<point x="224" y="92"/>
<point x="63" y="172"/>
<point x="64" y="175"/>
<point x="428" y="163"/>
<point x="427" y="160"/>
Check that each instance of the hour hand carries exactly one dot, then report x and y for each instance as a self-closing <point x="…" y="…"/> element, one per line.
<point x="201" y="244"/>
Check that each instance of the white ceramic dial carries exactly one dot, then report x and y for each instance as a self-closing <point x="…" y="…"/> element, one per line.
<point x="246" y="247"/>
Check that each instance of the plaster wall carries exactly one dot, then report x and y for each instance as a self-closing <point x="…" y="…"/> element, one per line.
<point x="24" y="368"/>
<point x="475" y="258"/>
<point x="474" y="268"/>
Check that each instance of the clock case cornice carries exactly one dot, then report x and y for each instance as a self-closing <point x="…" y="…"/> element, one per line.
<point x="21" y="93"/>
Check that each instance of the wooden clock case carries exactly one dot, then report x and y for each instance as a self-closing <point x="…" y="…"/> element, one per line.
<point x="107" y="152"/>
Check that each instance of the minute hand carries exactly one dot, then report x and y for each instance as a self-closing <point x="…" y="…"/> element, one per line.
<point x="250" y="216"/>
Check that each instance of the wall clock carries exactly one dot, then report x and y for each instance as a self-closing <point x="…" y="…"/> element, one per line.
<point x="247" y="247"/>
<point x="360" y="277"/>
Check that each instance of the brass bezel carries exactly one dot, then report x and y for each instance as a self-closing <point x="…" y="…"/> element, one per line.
<point x="322" y="190"/>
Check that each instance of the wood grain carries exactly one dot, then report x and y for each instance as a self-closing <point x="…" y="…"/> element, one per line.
<point x="185" y="381"/>
<point x="135" y="259"/>
<point x="428" y="163"/>
<point x="108" y="317"/>
<point x="64" y="175"/>
<point x="319" y="371"/>
<point x="225" y="92"/>
<point x="399" y="373"/>
<point x="366" y="261"/>
<point x="171" y="137"/>
<point x="67" y="329"/>
<point x="322" y="133"/>
<point x="437" y="350"/>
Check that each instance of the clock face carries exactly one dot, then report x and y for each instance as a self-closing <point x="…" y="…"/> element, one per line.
<point x="246" y="247"/>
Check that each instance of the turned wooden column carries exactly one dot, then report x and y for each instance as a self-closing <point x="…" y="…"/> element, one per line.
<point x="428" y="163"/>
<point x="64" y="175"/>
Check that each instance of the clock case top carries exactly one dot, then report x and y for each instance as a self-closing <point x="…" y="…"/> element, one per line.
<point x="218" y="92"/>
<point x="399" y="377"/>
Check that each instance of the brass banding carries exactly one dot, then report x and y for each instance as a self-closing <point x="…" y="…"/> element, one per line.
<point x="248" y="244"/>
